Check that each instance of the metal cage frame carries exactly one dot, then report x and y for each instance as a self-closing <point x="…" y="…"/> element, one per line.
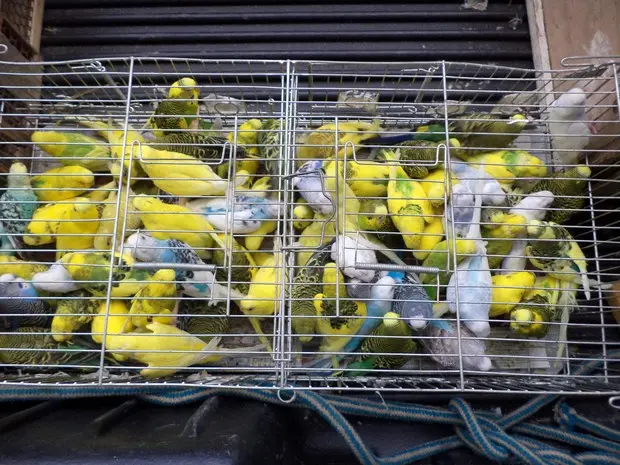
<point x="304" y="95"/>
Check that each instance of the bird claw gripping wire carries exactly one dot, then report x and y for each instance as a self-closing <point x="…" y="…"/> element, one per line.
<point x="503" y="439"/>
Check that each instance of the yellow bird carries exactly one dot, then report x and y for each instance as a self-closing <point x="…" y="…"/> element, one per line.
<point x="506" y="166"/>
<point x="263" y="297"/>
<point x="183" y="175"/>
<point x="66" y="182"/>
<point x="77" y="227"/>
<point x="321" y="143"/>
<point x="117" y="323"/>
<point x="44" y="224"/>
<point x="156" y="300"/>
<point x="303" y="214"/>
<point x="367" y="179"/>
<point x="165" y="221"/>
<point x="128" y="221"/>
<point x="164" y="348"/>
<point x="409" y="207"/>
<point x="336" y="332"/>
<point x="432" y="235"/>
<point x="179" y="110"/>
<point x="434" y="184"/>
<point x="20" y="268"/>
<point x="508" y="290"/>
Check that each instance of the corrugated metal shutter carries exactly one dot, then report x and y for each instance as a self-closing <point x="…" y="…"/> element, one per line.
<point x="336" y="30"/>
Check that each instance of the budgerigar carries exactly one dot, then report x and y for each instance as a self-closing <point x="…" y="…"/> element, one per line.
<point x="34" y="348"/>
<point x="17" y="205"/>
<point x="552" y="249"/>
<point x="264" y="294"/>
<point x="411" y="301"/>
<point x="239" y="263"/>
<point x="201" y="146"/>
<point x="568" y="126"/>
<point x="90" y="271"/>
<point x="73" y="148"/>
<point x="271" y="145"/>
<point x="164" y="348"/>
<point x="20" y="268"/>
<point x="179" y="110"/>
<point x="366" y="178"/>
<point x="202" y="320"/>
<point x="459" y="211"/>
<point x="303" y="214"/>
<point x="336" y="331"/>
<point x="442" y="343"/>
<point x="310" y="180"/>
<point x="167" y="221"/>
<point x="501" y="235"/>
<point x="508" y="290"/>
<point x="182" y="175"/>
<point x="483" y="132"/>
<point x="568" y="188"/>
<point x="347" y="253"/>
<point x="379" y="303"/>
<point x="418" y="158"/>
<point x="77" y="227"/>
<point x="441" y="256"/>
<point x="156" y="301"/>
<point x="21" y="301"/>
<point x="66" y="182"/>
<point x="78" y="309"/>
<point x="545" y="303"/>
<point x="321" y="143"/>
<point x="128" y="219"/>
<point x="374" y="216"/>
<point x="532" y="207"/>
<point x="470" y="287"/>
<point x="195" y="283"/>
<point x="432" y="235"/>
<point x="243" y="214"/>
<point x="110" y="321"/>
<point x="492" y="193"/>
<point x="508" y="166"/>
<point x="408" y="206"/>
<point x="379" y="351"/>
<point x="306" y="285"/>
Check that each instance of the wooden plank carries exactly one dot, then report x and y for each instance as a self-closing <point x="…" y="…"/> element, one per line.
<point x="37" y="24"/>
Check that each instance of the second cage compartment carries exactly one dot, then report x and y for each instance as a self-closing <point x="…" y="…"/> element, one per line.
<point x="410" y="148"/>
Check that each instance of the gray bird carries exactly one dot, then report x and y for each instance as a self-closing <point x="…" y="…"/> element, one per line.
<point x="412" y="302"/>
<point x="20" y="304"/>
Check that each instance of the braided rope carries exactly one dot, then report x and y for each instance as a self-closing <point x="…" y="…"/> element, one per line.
<point x="484" y="433"/>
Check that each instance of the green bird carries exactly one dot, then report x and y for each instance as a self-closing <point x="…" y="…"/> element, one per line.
<point x="422" y="151"/>
<point x="568" y="187"/>
<point x="552" y="249"/>
<point x="17" y="205"/>
<point x="34" y="347"/>
<point x="202" y="320"/>
<point x="483" y="132"/>
<point x="178" y="111"/>
<point x="378" y="351"/>
<point x="72" y="312"/>
<point x="441" y="257"/>
<point x="240" y="272"/>
<point x="374" y="216"/>
<point x="201" y="146"/>
<point x="270" y="140"/>
<point x="306" y="285"/>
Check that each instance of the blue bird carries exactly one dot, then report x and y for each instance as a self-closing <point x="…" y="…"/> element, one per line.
<point x="195" y="283"/>
<point x="412" y="302"/>
<point x="242" y="216"/>
<point x="20" y="299"/>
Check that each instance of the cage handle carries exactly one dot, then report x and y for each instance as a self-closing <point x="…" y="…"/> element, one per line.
<point x="174" y="266"/>
<point x="3" y="48"/>
<point x="567" y="62"/>
<point x="614" y="402"/>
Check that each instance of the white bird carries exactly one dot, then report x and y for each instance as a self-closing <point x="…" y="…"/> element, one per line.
<point x="346" y="252"/>
<point x="532" y="207"/>
<point x="309" y="180"/>
<point x="568" y="126"/>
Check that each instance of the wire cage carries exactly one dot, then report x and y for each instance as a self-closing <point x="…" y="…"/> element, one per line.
<point x="294" y="224"/>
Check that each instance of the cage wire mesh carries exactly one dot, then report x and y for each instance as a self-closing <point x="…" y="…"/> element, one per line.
<point x="295" y="224"/>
